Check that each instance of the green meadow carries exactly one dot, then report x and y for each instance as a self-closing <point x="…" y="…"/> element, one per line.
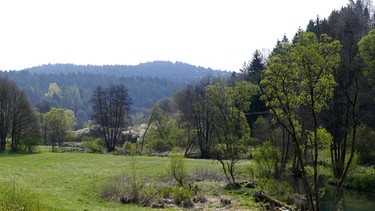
<point x="70" y="181"/>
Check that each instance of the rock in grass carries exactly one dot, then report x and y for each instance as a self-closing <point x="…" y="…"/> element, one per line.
<point x="225" y="201"/>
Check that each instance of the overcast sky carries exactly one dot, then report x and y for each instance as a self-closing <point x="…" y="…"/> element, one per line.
<point x="209" y="33"/>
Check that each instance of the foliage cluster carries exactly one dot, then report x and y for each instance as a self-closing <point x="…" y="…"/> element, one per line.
<point x="56" y="124"/>
<point x="362" y="179"/>
<point x="93" y="145"/>
<point x="267" y="158"/>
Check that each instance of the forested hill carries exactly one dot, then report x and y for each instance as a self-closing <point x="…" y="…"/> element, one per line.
<point x="70" y="86"/>
<point x="177" y="72"/>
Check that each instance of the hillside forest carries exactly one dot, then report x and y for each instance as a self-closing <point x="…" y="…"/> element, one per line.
<point x="70" y="86"/>
<point x="304" y="111"/>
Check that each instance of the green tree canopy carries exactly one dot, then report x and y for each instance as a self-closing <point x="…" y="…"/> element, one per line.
<point x="367" y="53"/>
<point x="301" y="76"/>
<point x="232" y="132"/>
<point x="57" y="124"/>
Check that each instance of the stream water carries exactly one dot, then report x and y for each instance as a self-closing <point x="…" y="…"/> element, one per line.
<point x="352" y="200"/>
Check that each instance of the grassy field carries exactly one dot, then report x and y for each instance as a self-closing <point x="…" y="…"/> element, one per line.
<point x="69" y="181"/>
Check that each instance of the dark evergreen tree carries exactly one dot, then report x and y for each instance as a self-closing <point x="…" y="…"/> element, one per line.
<point x="252" y="72"/>
<point x="352" y="104"/>
<point x="280" y="46"/>
<point x="347" y="25"/>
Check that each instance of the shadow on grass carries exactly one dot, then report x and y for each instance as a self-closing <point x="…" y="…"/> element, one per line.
<point x="17" y="154"/>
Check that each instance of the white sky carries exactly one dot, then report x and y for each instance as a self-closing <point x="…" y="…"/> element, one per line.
<point x="210" y="33"/>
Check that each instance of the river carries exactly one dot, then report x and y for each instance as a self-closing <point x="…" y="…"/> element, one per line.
<point x="352" y="200"/>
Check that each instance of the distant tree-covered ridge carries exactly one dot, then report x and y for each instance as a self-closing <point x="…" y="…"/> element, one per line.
<point x="177" y="72"/>
<point x="71" y="86"/>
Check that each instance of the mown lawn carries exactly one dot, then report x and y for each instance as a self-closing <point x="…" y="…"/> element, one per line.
<point x="70" y="181"/>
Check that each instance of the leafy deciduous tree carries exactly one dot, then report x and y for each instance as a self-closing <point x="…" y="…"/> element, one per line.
<point x="43" y="107"/>
<point x="351" y="93"/>
<point x="197" y="113"/>
<point x="111" y="110"/>
<point x="161" y="127"/>
<point x="302" y="76"/>
<point x="17" y="119"/>
<point x="231" y="129"/>
<point x="57" y="124"/>
<point x="367" y="53"/>
<point x="24" y="122"/>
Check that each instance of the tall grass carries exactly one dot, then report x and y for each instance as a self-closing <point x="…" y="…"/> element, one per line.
<point x="13" y="198"/>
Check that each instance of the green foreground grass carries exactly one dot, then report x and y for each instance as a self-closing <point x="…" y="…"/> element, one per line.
<point x="69" y="181"/>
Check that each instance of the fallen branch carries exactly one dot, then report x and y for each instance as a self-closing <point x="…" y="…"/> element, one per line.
<point x="261" y="196"/>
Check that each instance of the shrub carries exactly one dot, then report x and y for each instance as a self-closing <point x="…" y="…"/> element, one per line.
<point x="366" y="145"/>
<point x="130" y="188"/>
<point x="166" y="192"/>
<point x="267" y="159"/>
<point x="122" y="189"/>
<point x="93" y="145"/>
<point x="362" y="179"/>
<point x="146" y="192"/>
<point x="161" y="145"/>
<point x="176" y="168"/>
<point x="135" y="182"/>
<point x="367" y="180"/>
<point x="30" y="144"/>
<point x="128" y="148"/>
<point x="277" y="188"/>
<point x="181" y="194"/>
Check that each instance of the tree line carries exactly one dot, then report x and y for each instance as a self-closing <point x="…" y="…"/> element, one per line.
<point x="310" y="97"/>
<point x="73" y="91"/>
<point x="318" y="91"/>
<point x="71" y="86"/>
<point x="23" y="128"/>
<point x="18" y="121"/>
